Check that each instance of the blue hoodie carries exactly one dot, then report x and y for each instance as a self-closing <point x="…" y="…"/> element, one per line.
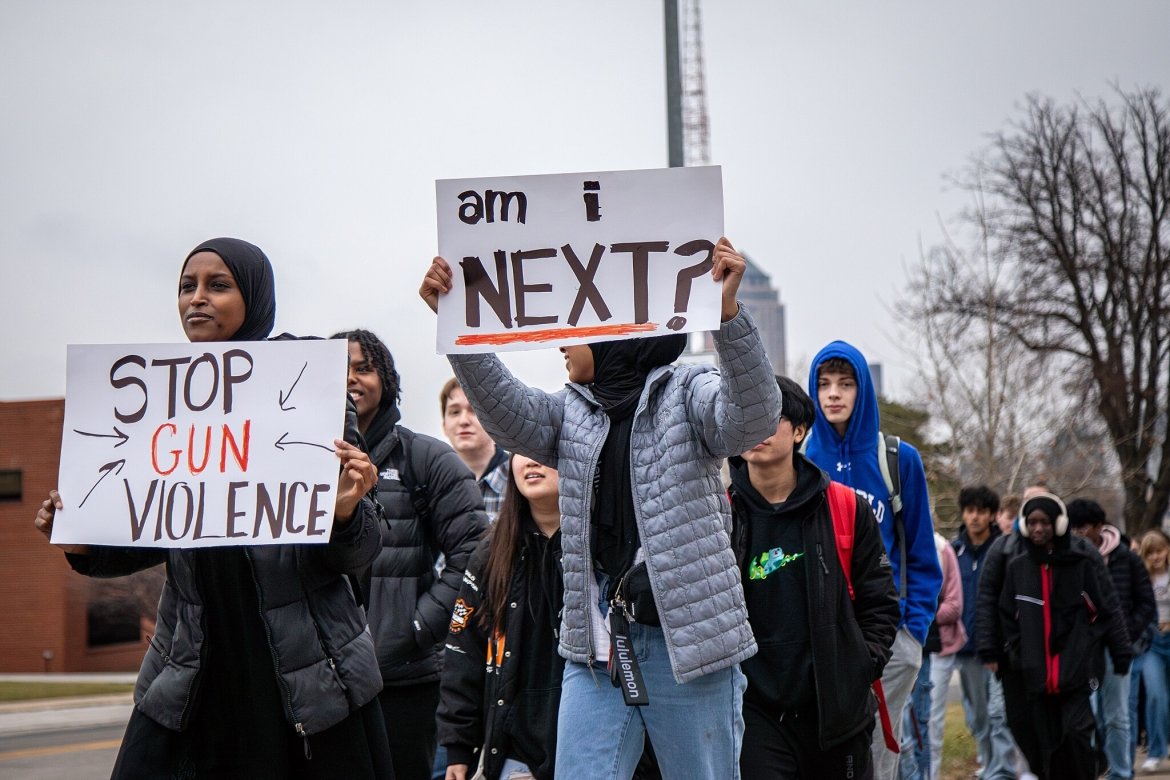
<point x="853" y="460"/>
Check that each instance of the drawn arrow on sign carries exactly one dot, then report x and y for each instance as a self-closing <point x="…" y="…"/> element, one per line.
<point x="281" y="441"/>
<point x="117" y="434"/>
<point x="106" y="469"/>
<point x="285" y="396"/>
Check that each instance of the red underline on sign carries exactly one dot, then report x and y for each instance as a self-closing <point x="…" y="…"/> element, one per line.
<point x="552" y="334"/>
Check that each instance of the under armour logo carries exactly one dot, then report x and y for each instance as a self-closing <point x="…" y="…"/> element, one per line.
<point x="840" y="467"/>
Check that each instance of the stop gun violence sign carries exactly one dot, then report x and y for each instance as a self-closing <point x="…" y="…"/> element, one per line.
<point x="541" y="261"/>
<point x="200" y="445"/>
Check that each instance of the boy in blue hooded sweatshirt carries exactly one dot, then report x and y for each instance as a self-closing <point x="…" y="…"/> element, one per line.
<point x="846" y="442"/>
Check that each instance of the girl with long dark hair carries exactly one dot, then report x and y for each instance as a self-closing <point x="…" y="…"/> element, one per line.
<point x="508" y="613"/>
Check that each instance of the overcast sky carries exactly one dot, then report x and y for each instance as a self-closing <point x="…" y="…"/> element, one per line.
<point x="131" y="131"/>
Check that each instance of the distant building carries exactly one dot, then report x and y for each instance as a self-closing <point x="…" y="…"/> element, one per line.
<point x="757" y="292"/>
<point x="55" y="619"/>
<point x="876" y="377"/>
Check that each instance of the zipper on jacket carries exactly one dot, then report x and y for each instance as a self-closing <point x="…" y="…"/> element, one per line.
<point x="288" y="708"/>
<point x="321" y="643"/>
<point x="202" y="650"/>
<point x="821" y="558"/>
<point x="587" y="557"/>
<point x="300" y="727"/>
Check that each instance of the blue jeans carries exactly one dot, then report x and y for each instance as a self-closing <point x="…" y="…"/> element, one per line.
<point x="1111" y="709"/>
<point x="696" y="727"/>
<point x="916" y="752"/>
<point x="1154" y="677"/>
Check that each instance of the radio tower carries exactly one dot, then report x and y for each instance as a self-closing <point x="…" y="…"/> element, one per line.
<point x="696" y="128"/>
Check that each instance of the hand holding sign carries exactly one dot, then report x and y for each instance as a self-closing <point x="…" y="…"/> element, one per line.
<point x="436" y="282"/>
<point x="358" y="477"/>
<point x="729" y="267"/>
<point x="44" y="522"/>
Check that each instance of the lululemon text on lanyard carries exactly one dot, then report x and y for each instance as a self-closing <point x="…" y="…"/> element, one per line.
<point x="623" y="664"/>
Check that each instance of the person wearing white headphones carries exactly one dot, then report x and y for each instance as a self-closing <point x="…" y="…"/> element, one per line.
<point x="1057" y="607"/>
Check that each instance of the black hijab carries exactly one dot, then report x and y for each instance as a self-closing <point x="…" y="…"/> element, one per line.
<point x="253" y="274"/>
<point x="620" y="369"/>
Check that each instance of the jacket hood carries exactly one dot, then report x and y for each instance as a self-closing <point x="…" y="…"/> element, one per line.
<point x="811" y="482"/>
<point x="862" y="430"/>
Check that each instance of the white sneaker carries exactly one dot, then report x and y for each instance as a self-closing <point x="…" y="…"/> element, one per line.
<point x="1151" y="764"/>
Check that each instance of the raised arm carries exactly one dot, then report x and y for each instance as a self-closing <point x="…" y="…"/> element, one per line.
<point x="519" y="418"/>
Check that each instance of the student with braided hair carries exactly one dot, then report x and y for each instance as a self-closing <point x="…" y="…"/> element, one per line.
<point x="433" y="507"/>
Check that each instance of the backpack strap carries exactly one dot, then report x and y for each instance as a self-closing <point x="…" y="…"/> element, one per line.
<point x="888" y="462"/>
<point x="843" y="510"/>
<point x="888" y="445"/>
<point x="418" y="491"/>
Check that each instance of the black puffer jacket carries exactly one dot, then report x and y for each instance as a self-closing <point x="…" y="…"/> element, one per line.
<point x="1135" y="594"/>
<point x="989" y="636"/>
<point x="300" y="588"/>
<point x="409" y="606"/>
<point x="489" y="705"/>
<point x="1057" y="608"/>
<point x="851" y="640"/>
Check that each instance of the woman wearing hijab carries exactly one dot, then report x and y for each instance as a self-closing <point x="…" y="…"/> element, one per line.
<point x="261" y="664"/>
<point x="638" y="443"/>
<point x="509" y="612"/>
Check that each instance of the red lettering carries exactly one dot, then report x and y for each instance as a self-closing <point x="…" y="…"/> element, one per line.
<point x="241" y="457"/>
<point x="191" y="450"/>
<point x="154" y="450"/>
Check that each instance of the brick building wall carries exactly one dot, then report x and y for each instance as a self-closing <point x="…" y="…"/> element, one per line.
<point x="44" y="604"/>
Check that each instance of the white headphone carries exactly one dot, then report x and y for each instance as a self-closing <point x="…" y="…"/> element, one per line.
<point x="1060" y="523"/>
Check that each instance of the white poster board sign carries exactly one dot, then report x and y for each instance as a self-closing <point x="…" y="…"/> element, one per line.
<point x="202" y="444"/>
<point x="542" y="261"/>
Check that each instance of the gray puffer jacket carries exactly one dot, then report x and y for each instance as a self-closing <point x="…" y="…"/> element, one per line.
<point x="688" y="419"/>
<point x="322" y="651"/>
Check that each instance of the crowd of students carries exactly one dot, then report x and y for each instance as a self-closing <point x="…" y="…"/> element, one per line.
<point x="574" y="587"/>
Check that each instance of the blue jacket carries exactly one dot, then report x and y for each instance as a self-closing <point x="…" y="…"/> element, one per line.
<point x="853" y="459"/>
<point x="970" y="557"/>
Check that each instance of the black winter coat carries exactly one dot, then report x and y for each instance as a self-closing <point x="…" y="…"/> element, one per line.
<point x="1135" y="594"/>
<point x="322" y="654"/>
<point x="1057" y="608"/>
<point x="482" y="704"/>
<point x="408" y="605"/>
<point x="851" y="640"/>
<point x="989" y="637"/>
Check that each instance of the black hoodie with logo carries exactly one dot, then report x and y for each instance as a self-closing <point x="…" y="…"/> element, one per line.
<point x="816" y="645"/>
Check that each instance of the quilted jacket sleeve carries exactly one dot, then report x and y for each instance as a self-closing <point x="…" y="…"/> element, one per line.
<point x="739" y="406"/>
<point x="519" y="418"/>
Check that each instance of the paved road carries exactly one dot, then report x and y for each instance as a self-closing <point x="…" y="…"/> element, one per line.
<point x="63" y="738"/>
